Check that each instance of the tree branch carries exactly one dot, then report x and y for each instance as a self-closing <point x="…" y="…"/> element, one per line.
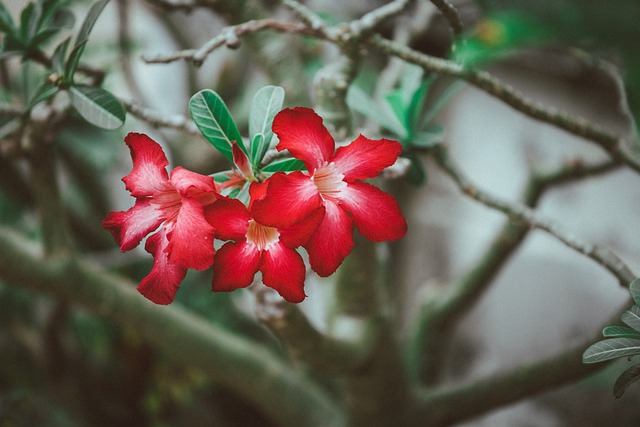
<point x="347" y="348"/>
<point x="450" y="13"/>
<point x="610" y="142"/>
<point x="601" y="255"/>
<point x="157" y="119"/>
<point x="281" y="393"/>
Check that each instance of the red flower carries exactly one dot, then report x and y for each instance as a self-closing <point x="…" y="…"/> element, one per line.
<point x="177" y="204"/>
<point x="333" y="181"/>
<point x="255" y="247"/>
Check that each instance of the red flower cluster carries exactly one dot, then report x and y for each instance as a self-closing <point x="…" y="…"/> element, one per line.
<point x="316" y="210"/>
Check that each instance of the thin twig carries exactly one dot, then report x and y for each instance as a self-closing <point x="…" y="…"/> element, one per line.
<point x="451" y="15"/>
<point x="230" y="37"/>
<point x="611" y="142"/>
<point x="157" y="119"/>
<point x="305" y="14"/>
<point x="601" y="255"/>
<point x="372" y="20"/>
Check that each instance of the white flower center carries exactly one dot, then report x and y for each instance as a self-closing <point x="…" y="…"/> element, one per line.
<point x="261" y="235"/>
<point x="329" y="181"/>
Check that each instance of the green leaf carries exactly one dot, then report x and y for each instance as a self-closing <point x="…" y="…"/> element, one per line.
<point x="43" y="36"/>
<point x="428" y="138"/>
<point x="44" y="91"/>
<point x="627" y="378"/>
<point x="395" y="101"/>
<point x="416" y="104"/>
<point x="28" y="22"/>
<point x="284" y="165"/>
<point x="221" y="176"/>
<point x="57" y="58"/>
<point x="73" y="61"/>
<point x="258" y="149"/>
<point x="89" y="21"/>
<point x="97" y="106"/>
<point x="214" y="120"/>
<point x="620" y="332"/>
<point x="266" y="103"/>
<point x="634" y="288"/>
<point x="611" y="349"/>
<point x="632" y="317"/>
<point x="9" y="123"/>
<point x="358" y="100"/>
<point x="410" y="81"/>
<point x="6" y="22"/>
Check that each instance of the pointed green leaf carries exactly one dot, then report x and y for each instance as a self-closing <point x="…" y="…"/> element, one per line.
<point x="214" y="120"/>
<point x="222" y="176"/>
<point x="632" y="318"/>
<point x="611" y="349"/>
<point x="627" y="378"/>
<point x="395" y="101"/>
<point x="258" y="149"/>
<point x="9" y="123"/>
<point x="58" y="56"/>
<point x="44" y="91"/>
<point x="358" y="100"/>
<point x="6" y="22"/>
<point x="441" y="102"/>
<point x="410" y="81"/>
<point x="266" y="103"/>
<point x="634" y="287"/>
<point x="97" y="106"/>
<point x="620" y="332"/>
<point x="416" y="103"/>
<point x="284" y="165"/>
<point x="89" y="21"/>
<point x="28" y="22"/>
<point x="43" y="36"/>
<point x="73" y="61"/>
<point x="429" y="138"/>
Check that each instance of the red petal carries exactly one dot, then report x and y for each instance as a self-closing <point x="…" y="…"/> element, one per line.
<point x="194" y="185"/>
<point x="283" y="270"/>
<point x="299" y="233"/>
<point x="376" y="213"/>
<point x="301" y="131"/>
<point x="332" y="242"/>
<point x="241" y="161"/>
<point x="160" y="286"/>
<point x="191" y="237"/>
<point x="148" y="175"/>
<point x="230" y="219"/>
<point x="366" y="158"/>
<point x="289" y="199"/>
<point x="130" y="227"/>
<point x="235" y="266"/>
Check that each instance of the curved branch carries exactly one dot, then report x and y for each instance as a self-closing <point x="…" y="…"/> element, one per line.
<point x="275" y="388"/>
<point x="601" y="255"/>
<point x="451" y="14"/>
<point x="611" y="142"/>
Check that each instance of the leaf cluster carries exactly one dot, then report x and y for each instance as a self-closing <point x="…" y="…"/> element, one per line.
<point x="402" y="112"/>
<point x="216" y="124"/>
<point x="39" y="23"/>
<point x="621" y="341"/>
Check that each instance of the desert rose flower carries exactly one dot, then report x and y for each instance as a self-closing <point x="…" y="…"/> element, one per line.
<point x="333" y="182"/>
<point x="173" y="209"/>
<point x="254" y="247"/>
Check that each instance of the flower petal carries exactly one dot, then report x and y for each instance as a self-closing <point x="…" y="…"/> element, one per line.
<point x="299" y="233"/>
<point x="289" y="199"/>
<point x="301" y="131"/>
<point x="229" y="217"/>
<point x="130" y="227"/>
<point x="194" y="185"/>
<point x="376" y="213"/>
<point x="190" y="237"/>
<point x="365" y="158"/>
<point x="235" y="266"/>
<point x="241" y="161"/>
<point x="161" y="284"/>
<point x="332" y="242"/>
<point x="283" y="270"/>
<point x="149" y="174"/>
